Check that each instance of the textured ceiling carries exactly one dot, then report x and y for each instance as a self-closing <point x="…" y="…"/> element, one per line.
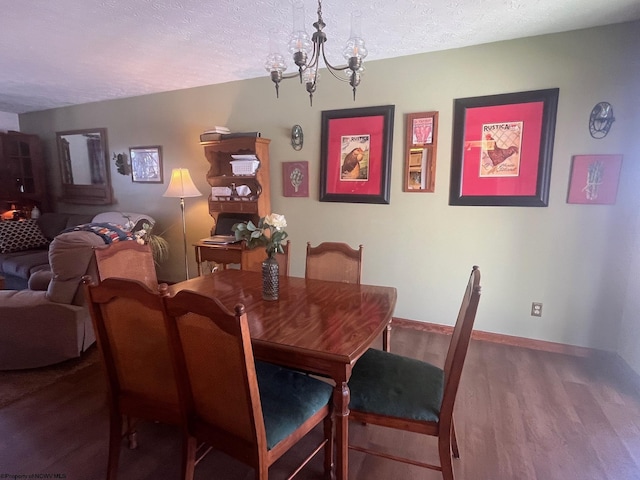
<point x="65" y="52"/>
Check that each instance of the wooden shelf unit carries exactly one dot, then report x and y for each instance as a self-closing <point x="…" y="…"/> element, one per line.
<point x="220" y="174"/>
<point x="22" y="172"/>
<point x="258" y="203"/>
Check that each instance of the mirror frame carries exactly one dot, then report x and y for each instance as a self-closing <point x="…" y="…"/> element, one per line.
<point x="420" y="154"/>
<point x="99" y="194"/>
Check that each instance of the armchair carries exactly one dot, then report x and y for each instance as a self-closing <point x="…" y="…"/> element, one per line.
<point x="42" y="327"/>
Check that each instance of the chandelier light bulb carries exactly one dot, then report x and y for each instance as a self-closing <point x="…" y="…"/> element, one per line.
<point x="275" y="61"/>
<point x="300" y="40"/>
<point x="355" y="45"/>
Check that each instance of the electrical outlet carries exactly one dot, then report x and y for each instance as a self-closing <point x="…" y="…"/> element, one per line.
<point x="536" y="309"/>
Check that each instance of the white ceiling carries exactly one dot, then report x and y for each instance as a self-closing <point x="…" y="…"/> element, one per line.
<point x="66" y="52"/>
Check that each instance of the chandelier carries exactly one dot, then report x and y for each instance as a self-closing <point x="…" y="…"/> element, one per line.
<point x="307" y="53"/>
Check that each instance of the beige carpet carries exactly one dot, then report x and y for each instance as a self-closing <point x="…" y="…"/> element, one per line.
<point x="16" y="384"/>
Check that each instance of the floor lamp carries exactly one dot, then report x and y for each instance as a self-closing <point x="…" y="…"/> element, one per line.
<point x="182" y="186"/>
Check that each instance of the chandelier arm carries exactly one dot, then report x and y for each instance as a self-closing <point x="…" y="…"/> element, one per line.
<point x="332" y="72"/>
<point x="333" y="69"/>
<point x="290" y="75"/>
<point x="330" y="66"/>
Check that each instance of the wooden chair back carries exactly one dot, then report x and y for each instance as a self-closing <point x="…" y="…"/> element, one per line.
<point x="377" y="374"/>
<point x="216" y="372"/>
<point x="253" y="262"/>
<point x="459" y="346"/>
<point x="334" y="261"/>
<point x="129" y="322"/>
<point x="127" y="259"/>
<point x="128" y="319"/>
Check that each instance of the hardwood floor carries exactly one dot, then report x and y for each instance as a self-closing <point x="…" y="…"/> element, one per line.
<point x="521" y="414"/>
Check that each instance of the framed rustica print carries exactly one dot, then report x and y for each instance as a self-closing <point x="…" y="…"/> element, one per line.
<point x="420" y="148"/>
<point x="594" y="179"/>
<point x="295" y="179"/>
<point x="355" y="155"/>
<point x="146" y="164"/>
<point x="502" y="149"/>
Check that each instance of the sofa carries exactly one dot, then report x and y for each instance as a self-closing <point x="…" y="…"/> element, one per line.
<point x="24" y="245"/>
<point x="48" y="322"/>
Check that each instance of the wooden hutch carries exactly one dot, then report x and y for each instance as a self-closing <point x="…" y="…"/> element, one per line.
<point x="22" y="173"/>
<point x="256" y="203"/>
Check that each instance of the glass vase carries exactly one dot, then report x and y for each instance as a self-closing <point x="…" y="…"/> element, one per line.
<point x="270" y="279"/>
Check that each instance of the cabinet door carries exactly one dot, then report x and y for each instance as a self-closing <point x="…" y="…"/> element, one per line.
<point x="21" y="170"/>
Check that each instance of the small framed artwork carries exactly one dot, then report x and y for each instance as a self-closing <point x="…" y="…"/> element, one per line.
<point x="502" y="149"/>
<point x="355" y="155"/>
<point x="146" y="164"/>
<point x="420" y="146"/>
<point x="594" y="179"/>
<point x="295" y="179"/>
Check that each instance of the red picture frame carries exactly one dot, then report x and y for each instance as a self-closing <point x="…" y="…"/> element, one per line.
<point x="594" y="179"/>
<point x="502" y="149"/>
<point x="295" y="179"/>
<point x="355" y="156"/>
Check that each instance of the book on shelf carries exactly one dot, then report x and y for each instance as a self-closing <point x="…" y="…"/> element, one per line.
<point x="209" y="136"/>
<point x="218" y="129"/>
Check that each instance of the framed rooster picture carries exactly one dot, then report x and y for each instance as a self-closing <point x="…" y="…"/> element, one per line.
<point x="355" y="155"/>
<point x="502" y="149"/>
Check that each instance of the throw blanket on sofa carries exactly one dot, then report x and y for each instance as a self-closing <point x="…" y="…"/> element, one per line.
<point x="109" y="232"/>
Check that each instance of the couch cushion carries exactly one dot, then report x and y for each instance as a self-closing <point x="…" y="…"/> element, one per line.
<point x="23" y="264"/>
<point x="52" y="224"/>
<point x="20" y="235"/>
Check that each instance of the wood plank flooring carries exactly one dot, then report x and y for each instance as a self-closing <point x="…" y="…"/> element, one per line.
<point x="521" y="414"/>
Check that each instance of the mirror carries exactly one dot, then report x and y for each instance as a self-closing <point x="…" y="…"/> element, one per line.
<point x="84" y="166"/>
<point x="420" y="162"/>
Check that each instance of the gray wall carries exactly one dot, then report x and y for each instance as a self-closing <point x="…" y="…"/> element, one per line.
<point x="9" y="121"/>
<point x="573" y="258"/>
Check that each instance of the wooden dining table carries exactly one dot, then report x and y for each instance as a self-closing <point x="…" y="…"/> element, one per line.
<point x="317" y="326"/>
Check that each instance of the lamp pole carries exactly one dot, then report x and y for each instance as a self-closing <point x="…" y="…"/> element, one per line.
<point x="184" y="237"/>
<point x="182" y="186"/>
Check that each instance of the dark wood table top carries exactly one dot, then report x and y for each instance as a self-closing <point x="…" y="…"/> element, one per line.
<point x="333" y="321"/>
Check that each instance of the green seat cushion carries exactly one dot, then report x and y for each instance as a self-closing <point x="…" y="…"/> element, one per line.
<point x="288" y="399"/>
<point x="387" y="384"/>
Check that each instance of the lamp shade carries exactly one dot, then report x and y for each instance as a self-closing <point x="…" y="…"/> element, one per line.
<point x="181" y="185"/>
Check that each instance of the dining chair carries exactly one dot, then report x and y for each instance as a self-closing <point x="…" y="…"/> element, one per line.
<point x="338" y="262"/>
<point x="252" y="411"/>
<point x="407" y="394"/>
<point x="127" y="259"/>
<point x="253" y="263"/>
<point x="128" y="319"/>
<point x="333" y="261"/>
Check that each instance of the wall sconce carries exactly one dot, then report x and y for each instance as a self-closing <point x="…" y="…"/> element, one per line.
<point x="122" y="163"/>
<point x="600" y="120"/>
<point x="297" y="137"/>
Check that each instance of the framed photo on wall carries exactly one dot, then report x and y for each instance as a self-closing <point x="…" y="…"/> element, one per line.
<point x="355" y="155"/>
<point x="146" y="164"/>
<point x="295" y="179"/>
<point x="420" y="152"/>
<point x="502" y="149"/>
<point x="594" y="179"/>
